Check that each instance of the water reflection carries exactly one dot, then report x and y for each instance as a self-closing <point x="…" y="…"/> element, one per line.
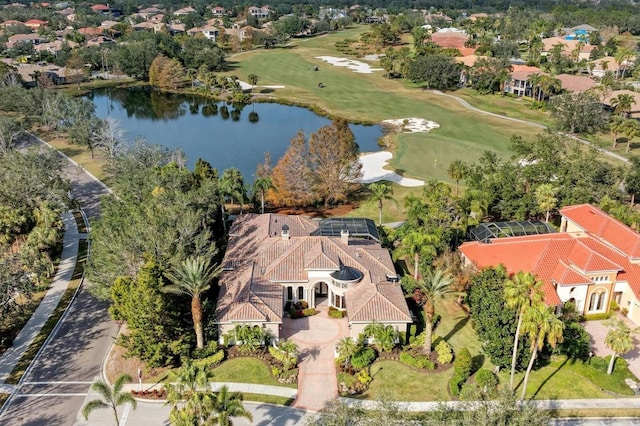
<point x="224" y="134"/>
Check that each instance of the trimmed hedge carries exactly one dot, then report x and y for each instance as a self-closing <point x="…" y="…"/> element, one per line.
<point x="486" y="378"/>
<point x="417" y="360"/>
<point x="211" y="361"/>
<point x="445" y="353"/>
<point x="454" y="384"/>
<point x="336" y="313"/>
<point x="597" y="317"/>
<point x="462" y="365"/>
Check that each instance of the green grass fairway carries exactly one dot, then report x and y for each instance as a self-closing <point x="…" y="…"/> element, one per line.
<point x="463" y="134"/>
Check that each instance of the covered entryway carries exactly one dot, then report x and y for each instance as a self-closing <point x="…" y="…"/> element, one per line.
<point x="321" y="291"/>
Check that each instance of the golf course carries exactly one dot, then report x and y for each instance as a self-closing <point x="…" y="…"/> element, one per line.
<point x="463" y="134"/>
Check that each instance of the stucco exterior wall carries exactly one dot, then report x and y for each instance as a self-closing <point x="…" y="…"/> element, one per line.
<point x="579" y="293"/>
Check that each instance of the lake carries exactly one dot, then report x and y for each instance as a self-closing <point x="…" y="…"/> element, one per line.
<point x="221" y="134"/>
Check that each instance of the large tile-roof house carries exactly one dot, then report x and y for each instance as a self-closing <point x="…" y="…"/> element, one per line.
<point x="593" y="260"/>
<point x="274" y="260"/>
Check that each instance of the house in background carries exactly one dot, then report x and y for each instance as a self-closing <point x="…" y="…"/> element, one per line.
<point x="519" y="83"/>
<point x="259" y="12"/>
<point x="273" y="261"/>
<point x="592" y="261"/>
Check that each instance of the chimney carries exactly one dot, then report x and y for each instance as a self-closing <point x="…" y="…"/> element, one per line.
<point x="344" y="236"/>
<point x="285" y="232"/>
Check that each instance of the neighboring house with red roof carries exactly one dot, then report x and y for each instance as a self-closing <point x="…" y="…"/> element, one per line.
<point x="103" y="8"/>
<point x="218" y="11"/>
<point x="518" y="82"/>
<point x="23" y="38"/>
<point x="259" y="12"/>
<point x="450" y="39"/>
<point x="593" y="260"/>
<point x="273" y="261"/>
<point x="35" y="24"/>
<point x="184" y="11"/>
<point x="575" y="83"/>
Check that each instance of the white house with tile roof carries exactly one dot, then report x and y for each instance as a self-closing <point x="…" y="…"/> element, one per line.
<point x="273" y="260"/>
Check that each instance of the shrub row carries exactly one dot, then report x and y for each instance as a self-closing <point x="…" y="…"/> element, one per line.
<point x="211" y="360"/>
<point x="417" y="360"/>
<point x="302" y="313"/>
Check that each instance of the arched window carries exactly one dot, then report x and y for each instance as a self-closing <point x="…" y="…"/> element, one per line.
<point x="300" y="293"/>
<point x="597" y="299"/>
<point x="289" y="293"/>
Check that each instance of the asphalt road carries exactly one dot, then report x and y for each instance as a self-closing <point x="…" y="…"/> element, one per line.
<point x="53" y="391"/>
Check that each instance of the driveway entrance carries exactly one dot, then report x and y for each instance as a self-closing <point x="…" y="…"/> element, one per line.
<point x="317" y="337"/>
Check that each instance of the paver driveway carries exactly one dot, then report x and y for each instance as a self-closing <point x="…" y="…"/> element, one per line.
<point x="317" y="337"/>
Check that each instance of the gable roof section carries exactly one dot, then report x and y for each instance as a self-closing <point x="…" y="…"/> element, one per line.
<point x="594" y="221"/>
<point x="565" y="275"/>
<point x="382" y="302"/>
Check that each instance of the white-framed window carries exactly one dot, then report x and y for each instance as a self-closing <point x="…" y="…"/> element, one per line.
<point x="597" y="300"/>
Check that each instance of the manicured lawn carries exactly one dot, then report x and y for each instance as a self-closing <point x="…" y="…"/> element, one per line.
<point x="456" y="327"/>
<point x="245" y="370"/>
<point x="402" y="383"/>
<point x="463" y="134"/>
<point x="560" y="380"/>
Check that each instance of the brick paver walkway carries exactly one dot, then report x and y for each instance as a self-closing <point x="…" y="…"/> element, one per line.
<point x="317" y="337"/>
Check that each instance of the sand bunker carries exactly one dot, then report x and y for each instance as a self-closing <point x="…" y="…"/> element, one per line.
<point x="373" y="170"/>
<point x="412" y="125"/>
<point x="246" y="86"/>
<point x="373" y="164"/>
<point x="355" y="66"/>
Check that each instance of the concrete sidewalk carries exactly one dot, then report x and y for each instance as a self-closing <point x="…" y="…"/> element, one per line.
<point x="59" y="285"/>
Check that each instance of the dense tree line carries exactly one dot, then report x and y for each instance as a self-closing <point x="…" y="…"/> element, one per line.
<point x="146" y="246"/>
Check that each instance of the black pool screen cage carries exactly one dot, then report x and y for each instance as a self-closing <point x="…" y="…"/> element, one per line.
<point x="357" y="227"/>
<point x="486" y="231"/>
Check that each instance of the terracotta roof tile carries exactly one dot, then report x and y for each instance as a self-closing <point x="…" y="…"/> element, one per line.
<point x="595" y="221"/>
<point x="261" y="258"/>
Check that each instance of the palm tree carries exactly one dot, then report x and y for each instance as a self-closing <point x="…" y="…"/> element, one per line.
<point x="291" y="351"/>
<point x="616" y="125"/>
<point x="521" y="292"/>
<point x="416" y="244"/>
<point x="193" y="277"/>
<point x="253" y="80"/>
<point x="434" y="284"/>
<point x="262" y="185"/>
<point x="542" y="325"/>
<point x="534" y="80"/>
<point x="546" y="198"/>
<point x="229" y="404"/>
<point x="384" y="337"/>
<point x="379" y="193"/>
<point x="621" y="56"/>
<point x="550" y="85"/>
<point x="112" y="397"/>
<point x="457" y="171"/>
<point x="618" y="339"/>
<point x="630" y="128"/>
<point x="189" y="385"/>
<point x="347" y="348"/>
<point x="622" y="104"/>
